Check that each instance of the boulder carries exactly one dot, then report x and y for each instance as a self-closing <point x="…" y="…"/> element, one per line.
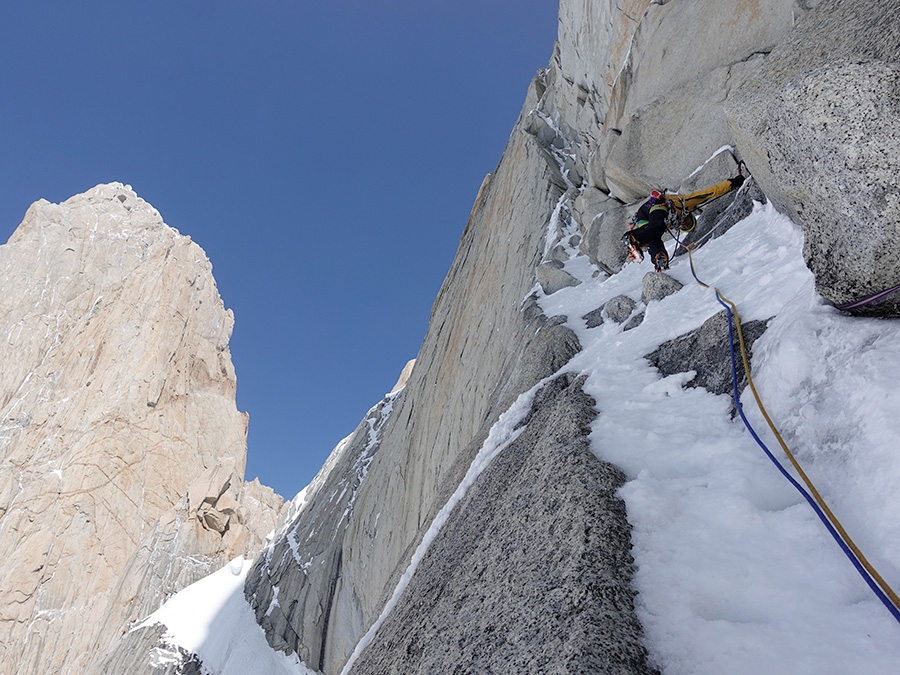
<point x="620" y="308"/>
<point x="835" y="152"/>
<point x="707" y="352"/>
<point x="815" y="122"/>
<point x="602" y="241"/>
<point x="634" y="322"/>
<point x="657" y="286"/>
<point x="593" y="318"/>
<point x="552" y="277"/>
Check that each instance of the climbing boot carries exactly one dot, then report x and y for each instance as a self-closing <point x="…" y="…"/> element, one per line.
<point x="661" y="261"/>
<point x="635" y="254"/>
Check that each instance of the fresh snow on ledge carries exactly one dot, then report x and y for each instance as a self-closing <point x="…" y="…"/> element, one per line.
<point x="734" y="572"/>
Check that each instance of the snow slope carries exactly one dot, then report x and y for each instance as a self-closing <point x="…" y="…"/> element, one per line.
<point x="735" y="573"/>
<point x="212" y="619"/>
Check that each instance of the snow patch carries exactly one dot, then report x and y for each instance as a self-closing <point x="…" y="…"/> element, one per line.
<point x="211" y="619"/>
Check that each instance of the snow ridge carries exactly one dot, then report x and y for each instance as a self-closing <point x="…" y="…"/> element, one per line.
<point x="504" y="431"/>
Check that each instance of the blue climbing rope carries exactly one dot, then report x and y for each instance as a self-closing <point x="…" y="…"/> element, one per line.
<point x="869" y="574"/>
<point x="882" y="596"/>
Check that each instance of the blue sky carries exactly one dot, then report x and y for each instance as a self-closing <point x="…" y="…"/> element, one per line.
<point x="324" y="154"/>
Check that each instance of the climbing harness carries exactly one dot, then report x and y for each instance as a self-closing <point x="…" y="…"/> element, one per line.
<point x="869" y="574"/>
<point x="659" y="200"/>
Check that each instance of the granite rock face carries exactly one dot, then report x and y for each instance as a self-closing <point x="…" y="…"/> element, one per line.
<point x="218" y="518"/>
<point x="552" y="277"/>
<point x="487" y="342"/>
<point x="804" y="91"/>
<point x="144" y="650"/>
<point x="620" y="308"/>
<point x="306" y="558"/>
<point x="838" y="159"/>
<point x="707" y="352"/>
<point x="658" y="286"/>
<point x="531" y="572"/>
<point x="645" y="101"/>
<point x="116" y="392"/>
<point x="816" y="123"/>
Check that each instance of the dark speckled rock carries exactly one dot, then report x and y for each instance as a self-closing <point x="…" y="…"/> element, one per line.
<point x="706" y="351"/>
<point x="531" y="573"/>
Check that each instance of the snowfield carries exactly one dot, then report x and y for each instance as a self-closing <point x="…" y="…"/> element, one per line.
<point x="734" y="571"/>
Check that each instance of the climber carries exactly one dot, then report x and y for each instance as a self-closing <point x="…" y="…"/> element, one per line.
<point x="661" y="211"/>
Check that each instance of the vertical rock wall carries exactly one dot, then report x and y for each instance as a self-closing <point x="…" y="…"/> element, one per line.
<point x="292" y="587"/>
<point x="458" y="387"/>
<point x="637" y="95"/>
<point x="531" y="572"/>
<point x="817" y="123"/>
<point x="804" y="91"/>
<point x="486" y="343"/>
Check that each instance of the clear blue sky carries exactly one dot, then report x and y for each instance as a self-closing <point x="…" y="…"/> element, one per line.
<point x="324" y="154"/>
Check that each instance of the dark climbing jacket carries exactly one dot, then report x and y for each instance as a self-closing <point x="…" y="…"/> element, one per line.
<point x="642" y="217"/>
